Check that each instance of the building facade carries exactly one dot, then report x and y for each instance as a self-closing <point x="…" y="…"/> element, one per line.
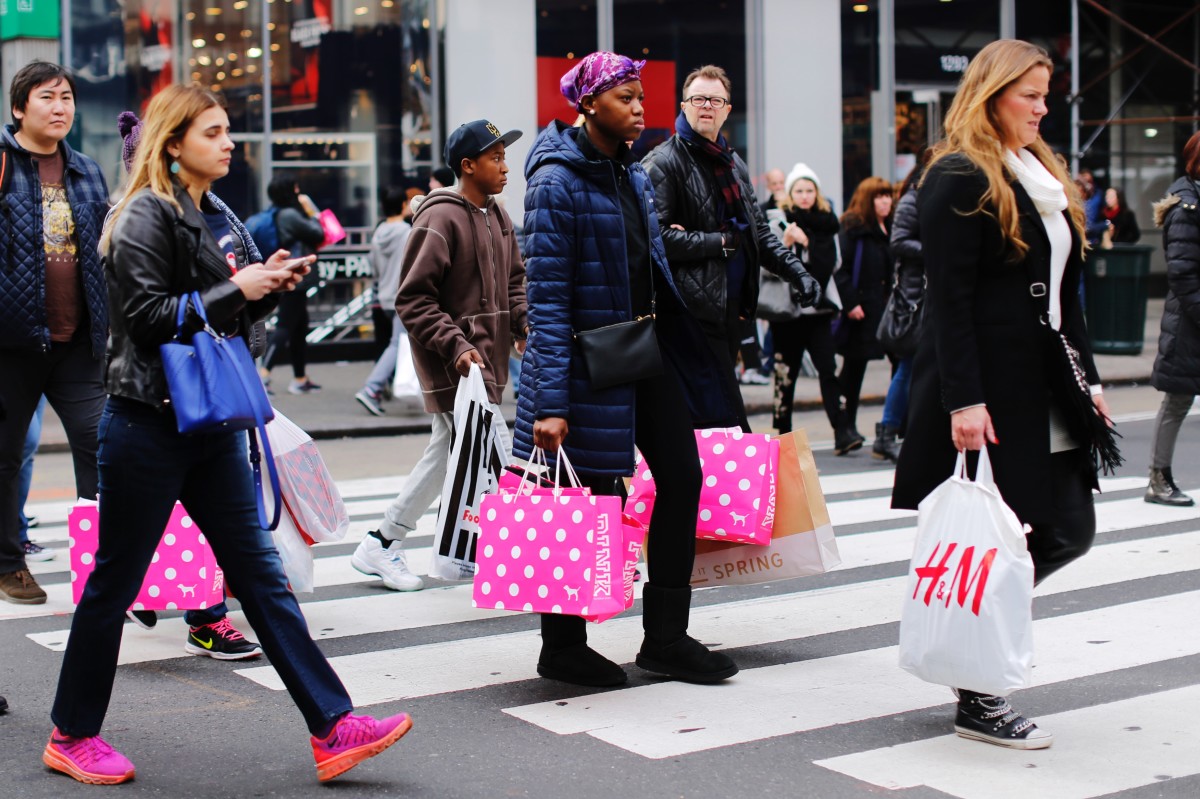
<point x="351" y="95"/>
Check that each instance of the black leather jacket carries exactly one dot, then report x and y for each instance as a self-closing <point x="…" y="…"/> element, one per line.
<point x="155" y="256"/>
<point x="685" y="195"/>
<point x="909" y="278"/>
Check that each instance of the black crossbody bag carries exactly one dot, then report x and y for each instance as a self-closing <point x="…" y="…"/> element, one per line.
<point x="624" y="352"/>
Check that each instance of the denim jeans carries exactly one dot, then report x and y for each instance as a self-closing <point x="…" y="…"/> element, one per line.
<point x="385" y="368"/>
<point x="145" y="466"/>
<point x="72" y="380"/>
<point x="25" y="477"/>
<point x="895" y="407"/>
<point x="428" y="476"/>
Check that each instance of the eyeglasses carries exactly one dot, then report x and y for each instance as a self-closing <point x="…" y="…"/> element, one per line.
<point x="698" y="101"/>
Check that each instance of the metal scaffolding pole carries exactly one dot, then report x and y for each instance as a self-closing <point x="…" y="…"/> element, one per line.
<point x="1075" y="98"/>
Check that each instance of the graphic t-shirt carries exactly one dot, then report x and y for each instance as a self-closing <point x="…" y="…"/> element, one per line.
<point x="64" y="288"/>
<point x="218" y="223"/>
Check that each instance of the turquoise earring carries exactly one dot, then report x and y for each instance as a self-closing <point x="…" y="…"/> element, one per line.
<point x="174" y="167"/>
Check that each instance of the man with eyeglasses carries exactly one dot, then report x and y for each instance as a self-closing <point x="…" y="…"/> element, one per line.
<point x="715" y="233"/>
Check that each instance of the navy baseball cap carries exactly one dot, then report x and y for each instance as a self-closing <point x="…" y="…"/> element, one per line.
<point x="471" y="139"/>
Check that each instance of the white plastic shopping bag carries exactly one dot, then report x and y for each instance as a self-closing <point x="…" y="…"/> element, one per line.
<point x="308" y="490"/>
<point x="967" y="620"/>
<point x="477" y="457"/>
<point x="295" y="553"/>
<point x="405" y="385"/>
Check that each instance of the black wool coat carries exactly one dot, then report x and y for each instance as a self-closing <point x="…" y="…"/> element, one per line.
<point x="871" y="290"/>
<point x="1177" y="367"/>
<point x="982" y="344"/>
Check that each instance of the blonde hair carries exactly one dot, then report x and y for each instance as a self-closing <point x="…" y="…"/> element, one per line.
<point x="861" y="210"/>
<point x="973" y="130"/>
<point x="168" y="117"/>
<point x="821" y="204"/>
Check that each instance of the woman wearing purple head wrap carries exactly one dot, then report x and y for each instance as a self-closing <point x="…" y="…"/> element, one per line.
<point x="594" y="257"/>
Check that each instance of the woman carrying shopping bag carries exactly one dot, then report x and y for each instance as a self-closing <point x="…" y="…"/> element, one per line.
<point x="811" y="232"/>
<point x="164" y="242"/>
<point x="1002" y="234"/>
<point x="596" y="266"/>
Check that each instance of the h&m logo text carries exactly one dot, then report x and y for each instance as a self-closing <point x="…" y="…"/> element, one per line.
<point x="963" y="580"/>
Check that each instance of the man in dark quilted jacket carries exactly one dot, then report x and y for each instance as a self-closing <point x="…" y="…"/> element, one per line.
<point x="53" y="299"/>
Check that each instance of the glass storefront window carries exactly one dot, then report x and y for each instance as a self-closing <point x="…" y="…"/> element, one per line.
<point x="676" y="36"/>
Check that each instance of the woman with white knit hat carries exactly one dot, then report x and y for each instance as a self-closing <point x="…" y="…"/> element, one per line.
<point x="812" y="233"/>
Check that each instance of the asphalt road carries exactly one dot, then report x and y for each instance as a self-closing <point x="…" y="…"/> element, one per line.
<point x="819" y="710"/>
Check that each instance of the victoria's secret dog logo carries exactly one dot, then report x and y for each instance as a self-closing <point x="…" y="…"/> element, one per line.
<point x="963" y="578"/>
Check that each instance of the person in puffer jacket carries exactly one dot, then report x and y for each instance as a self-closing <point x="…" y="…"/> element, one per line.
<point x="53" y="296"/>
<point x="908" y="292"/>
<point x="594" y="257"/>
<point x="1177" y="367"/>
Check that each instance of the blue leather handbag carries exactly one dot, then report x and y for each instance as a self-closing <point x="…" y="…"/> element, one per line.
<point x="214" y="387"/>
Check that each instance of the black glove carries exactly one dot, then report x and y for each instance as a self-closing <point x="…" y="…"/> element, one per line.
<point x="732" y="241"/>
<point x="806" y="290"/>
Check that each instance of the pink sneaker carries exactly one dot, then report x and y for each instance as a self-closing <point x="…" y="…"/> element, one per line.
<point x="353" y="740"/>
<point x="89" y="760"/>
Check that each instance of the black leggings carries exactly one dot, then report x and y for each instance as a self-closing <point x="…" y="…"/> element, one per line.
<point x="851" y="380"/>
<point x="1070" y="533"/>
<point x="290" y="332"/>
<point x="664" y="434"/>
<point x="792" y="338"/>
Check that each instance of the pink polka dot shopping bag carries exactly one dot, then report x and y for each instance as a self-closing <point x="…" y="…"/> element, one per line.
<point x="737" y="498"/>
<point x="557" y="549"/>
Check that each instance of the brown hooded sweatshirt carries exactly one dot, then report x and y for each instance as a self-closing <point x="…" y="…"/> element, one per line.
<point x="462" y="287"/>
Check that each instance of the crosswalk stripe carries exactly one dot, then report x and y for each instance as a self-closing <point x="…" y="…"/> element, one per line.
<point x="1096" y="753"/>
<point x="387" y="675"/>
<point x="649" y="720"/>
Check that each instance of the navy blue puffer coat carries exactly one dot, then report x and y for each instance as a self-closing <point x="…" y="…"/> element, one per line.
<point x="578" y="279"/>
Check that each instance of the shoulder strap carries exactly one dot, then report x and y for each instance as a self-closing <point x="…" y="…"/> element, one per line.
<point x="5" y="169"/>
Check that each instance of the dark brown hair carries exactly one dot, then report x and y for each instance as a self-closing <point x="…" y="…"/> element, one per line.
<point x="862" y="205"/>
<point x="1191" y="156"/>
<point x="711" y="72"/>
<point x="29" y="77"/>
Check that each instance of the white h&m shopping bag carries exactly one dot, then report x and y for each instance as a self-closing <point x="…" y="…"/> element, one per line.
<point x="967" y="620"/>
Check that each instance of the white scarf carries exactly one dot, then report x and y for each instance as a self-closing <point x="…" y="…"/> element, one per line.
<point x="1045" y="190"/>
<point x="1050" y="199"/>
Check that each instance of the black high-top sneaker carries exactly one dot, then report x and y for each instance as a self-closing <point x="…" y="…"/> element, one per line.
<point x="991" y="719"/>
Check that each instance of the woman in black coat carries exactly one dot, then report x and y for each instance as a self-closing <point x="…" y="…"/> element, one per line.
<point x="1002" y="235"/>
<point x="811" y="232"/>
<point x="1177" y="367"/>
<point x="863" y="282"/>
<point x="300" y="233"/>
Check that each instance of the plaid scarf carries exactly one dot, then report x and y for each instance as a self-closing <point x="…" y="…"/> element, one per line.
<point x="719" y="156"/>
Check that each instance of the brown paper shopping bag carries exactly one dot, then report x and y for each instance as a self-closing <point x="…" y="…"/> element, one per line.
<point x="802" y="541"/>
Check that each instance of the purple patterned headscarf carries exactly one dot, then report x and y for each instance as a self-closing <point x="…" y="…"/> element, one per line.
<point x="596" y="74"/>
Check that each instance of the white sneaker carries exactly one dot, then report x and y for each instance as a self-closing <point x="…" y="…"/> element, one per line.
<point x="390" y="563"/>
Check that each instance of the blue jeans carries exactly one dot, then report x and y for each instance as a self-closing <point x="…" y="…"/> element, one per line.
<point x="25" y="476"/>
<point x="145" y="466"/>
<point x="895" y="407"/>
<point x="385" y="368"/>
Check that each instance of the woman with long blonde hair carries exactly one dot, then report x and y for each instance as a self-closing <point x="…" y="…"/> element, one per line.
<point x="1002" y="237"/>
<point x="166" y="240"/>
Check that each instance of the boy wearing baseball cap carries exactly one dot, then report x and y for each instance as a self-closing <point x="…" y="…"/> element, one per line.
<point x="462" y="301"/>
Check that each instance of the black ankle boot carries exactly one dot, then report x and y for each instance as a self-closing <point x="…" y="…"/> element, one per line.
<point x="668" y="649"/>
<point x="991" y="719"/>
<point x="579" y="664"/>
<point x="885" y="446"/>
